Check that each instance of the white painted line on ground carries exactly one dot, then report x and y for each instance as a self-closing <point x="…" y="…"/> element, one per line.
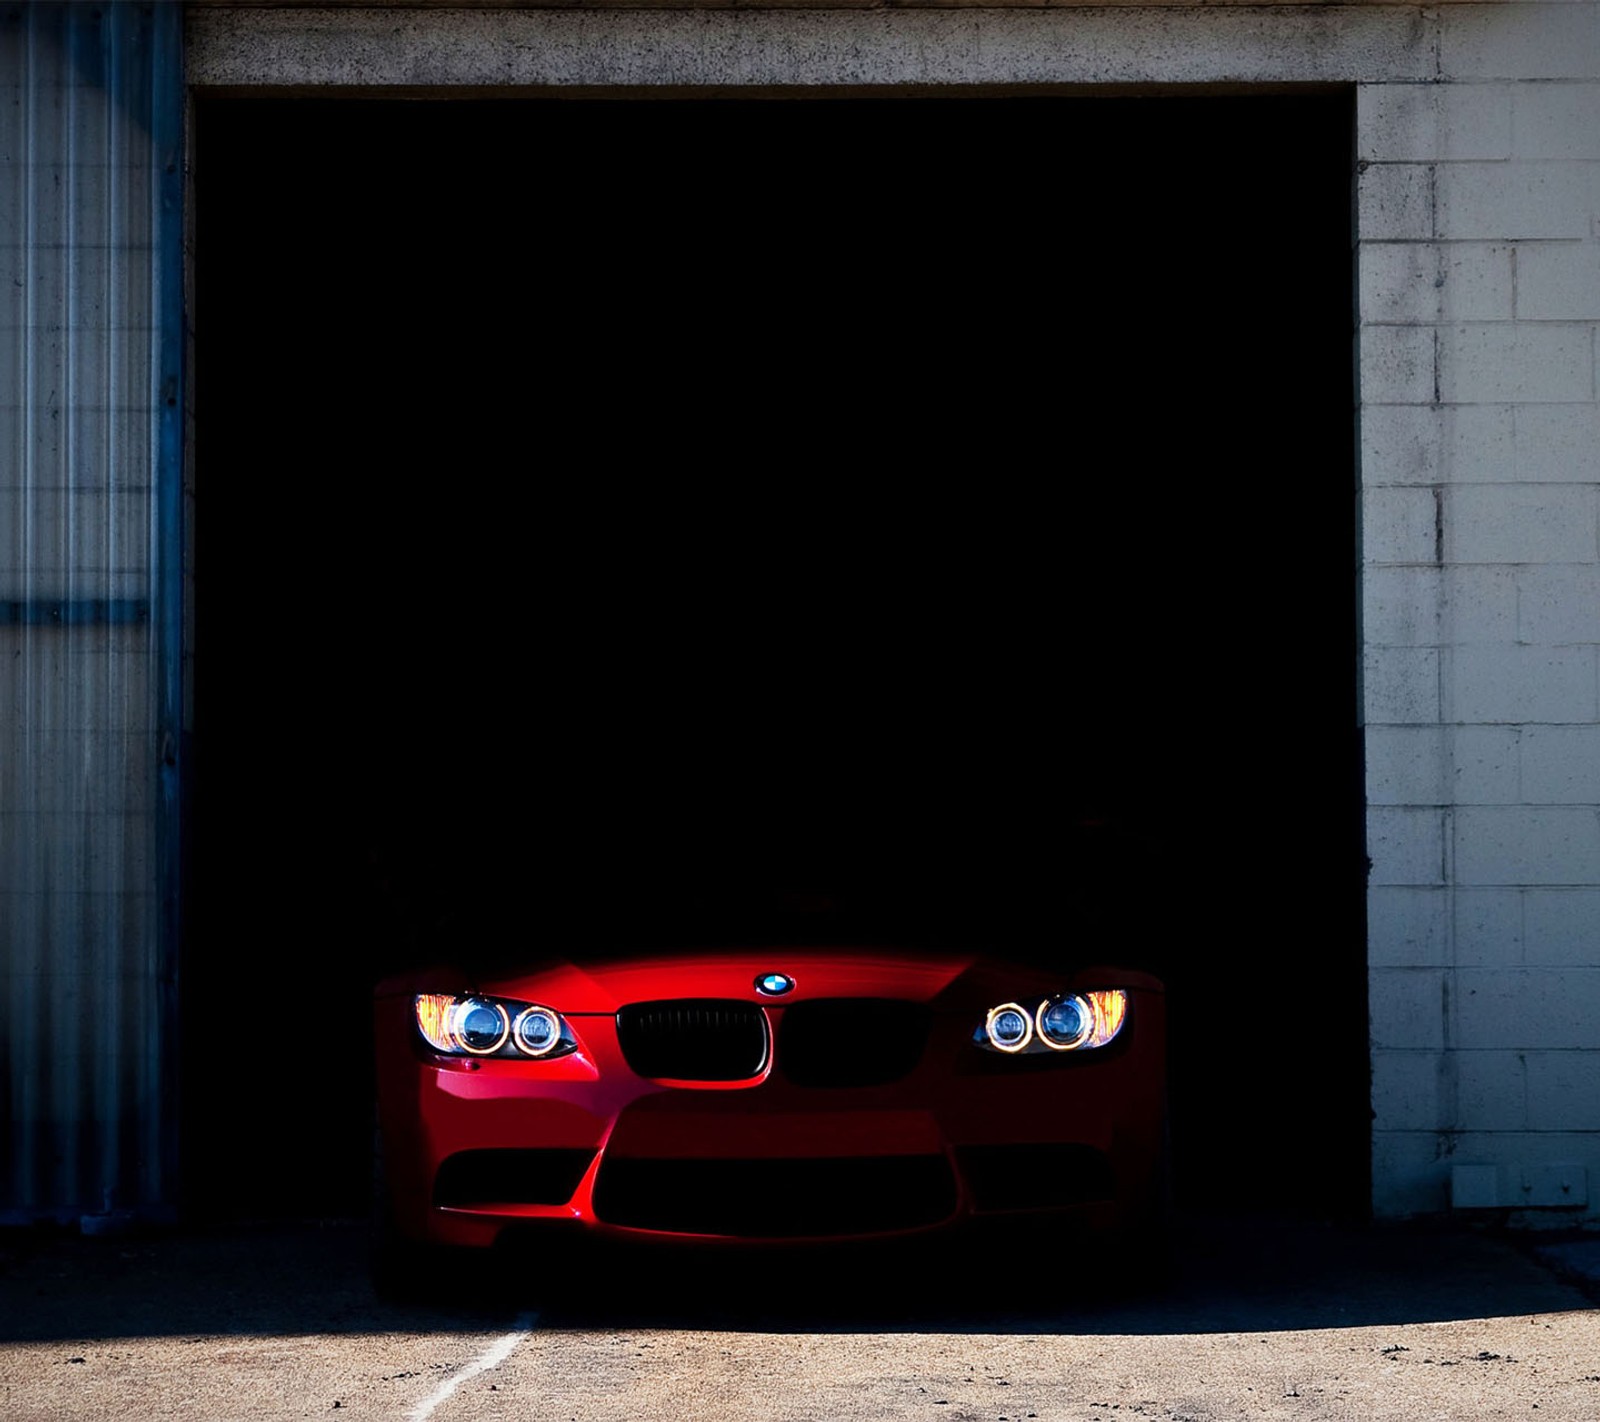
<point x="496" y="1353"/>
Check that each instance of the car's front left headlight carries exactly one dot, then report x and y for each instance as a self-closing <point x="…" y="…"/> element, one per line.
<point x="1067" y="1022"/>
<point x="480" y="1026"/>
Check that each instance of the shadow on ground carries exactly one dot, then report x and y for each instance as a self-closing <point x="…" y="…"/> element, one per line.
<point x="1225" y="1276"/>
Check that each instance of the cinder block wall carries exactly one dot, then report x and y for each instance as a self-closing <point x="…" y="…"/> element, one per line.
<point x="1479" y="259"/>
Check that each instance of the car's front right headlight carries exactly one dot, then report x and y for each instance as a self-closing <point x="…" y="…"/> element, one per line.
<point x="1067" y="1022"/>
<point x="481" y="1026"/>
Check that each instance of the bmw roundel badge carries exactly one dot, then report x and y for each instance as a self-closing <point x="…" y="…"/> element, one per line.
<point x="774" y="984"/>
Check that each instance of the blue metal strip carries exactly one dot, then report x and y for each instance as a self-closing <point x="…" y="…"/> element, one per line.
<point x="167" y="132"/>
<point x="80" y="612"/>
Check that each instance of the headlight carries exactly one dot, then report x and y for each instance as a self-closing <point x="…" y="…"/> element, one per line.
<point x="1068" y="1022"/>
<point x="1008" y="1027"/>
<point x="1065" y="1023"/>
<point x="537" y="1031"/>
<point x="479" y="1026"/>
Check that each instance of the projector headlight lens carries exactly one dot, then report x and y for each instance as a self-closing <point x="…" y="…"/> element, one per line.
<point x="1065" y="1023"/>
<point x="537" y="1031"/>
<point x="481" y="1026"/>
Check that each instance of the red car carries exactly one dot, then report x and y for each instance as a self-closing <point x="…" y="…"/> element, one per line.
<point x="768" y="1095"/>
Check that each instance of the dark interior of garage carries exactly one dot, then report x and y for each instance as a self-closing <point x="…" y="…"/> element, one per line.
<point x="682" y="520"/>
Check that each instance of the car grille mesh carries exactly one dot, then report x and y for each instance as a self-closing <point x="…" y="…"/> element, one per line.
<point x="694" y="1039"/>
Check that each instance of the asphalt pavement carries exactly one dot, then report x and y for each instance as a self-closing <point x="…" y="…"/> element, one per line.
<point x="1257" y="1319"/>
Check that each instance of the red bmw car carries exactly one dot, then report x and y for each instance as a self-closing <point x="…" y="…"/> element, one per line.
<point x="767" y="1095"/>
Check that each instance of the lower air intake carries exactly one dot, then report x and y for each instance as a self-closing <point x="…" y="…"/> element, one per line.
<point x="1035" y="1177"/>
<point x="509" y="1177"/>
<point x="776" y="1199"/>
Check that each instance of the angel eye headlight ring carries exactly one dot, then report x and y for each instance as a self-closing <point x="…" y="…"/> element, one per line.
<point x="1008" y="1027"/>
<point x="1065" y="1023"/>
<point x="537" y="1031"/>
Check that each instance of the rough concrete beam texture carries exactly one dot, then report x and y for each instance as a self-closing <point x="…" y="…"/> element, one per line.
<point x="389" y="48"/>
<point x="1536" y="41"/>
<point x="403" y="5"/>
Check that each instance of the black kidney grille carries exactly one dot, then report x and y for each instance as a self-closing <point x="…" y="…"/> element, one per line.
<point x="851" y="1041"/>
<point x="694" y="1040"/>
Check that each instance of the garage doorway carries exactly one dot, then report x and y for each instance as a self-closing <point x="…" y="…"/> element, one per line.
<point x="614" y="512"/>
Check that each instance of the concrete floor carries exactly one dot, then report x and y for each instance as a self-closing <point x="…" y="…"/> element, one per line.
<point x="1260" y="1320"/>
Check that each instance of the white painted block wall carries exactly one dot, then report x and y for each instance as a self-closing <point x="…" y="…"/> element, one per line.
<point x="1479" y="300"/>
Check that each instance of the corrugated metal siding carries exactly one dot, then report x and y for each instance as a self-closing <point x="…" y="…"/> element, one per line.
<point x="90" y="344"/>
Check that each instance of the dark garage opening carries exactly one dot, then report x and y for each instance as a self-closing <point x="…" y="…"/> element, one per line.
<point x="632" y="516"/>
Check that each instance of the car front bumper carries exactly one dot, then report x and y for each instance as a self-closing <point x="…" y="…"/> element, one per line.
<point x="474" y="1146"/>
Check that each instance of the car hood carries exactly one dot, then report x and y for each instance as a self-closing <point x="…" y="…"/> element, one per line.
<point x="944" y="981"/>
